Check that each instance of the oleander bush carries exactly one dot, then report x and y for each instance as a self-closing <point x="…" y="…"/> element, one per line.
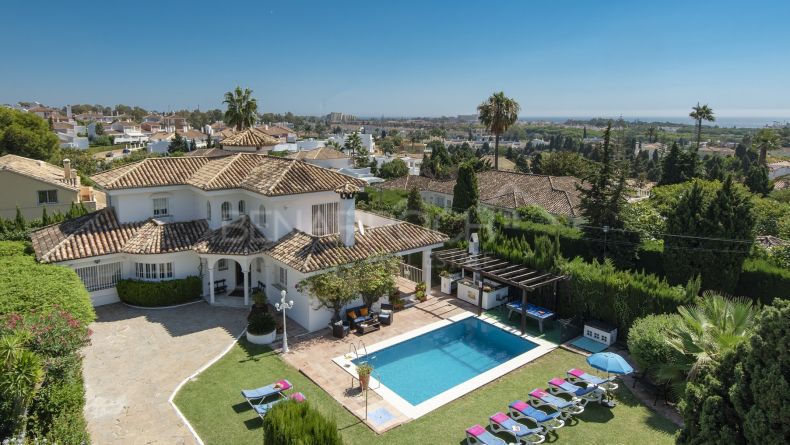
<point x="159" y="293"/>
<point x="297" y="423"/>
<point x="647" y="342"/>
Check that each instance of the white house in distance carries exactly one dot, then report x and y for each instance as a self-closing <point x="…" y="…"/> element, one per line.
<point x="160" y="142"/>
<point x="251" y="220"/>
<point x="367" y="140"/>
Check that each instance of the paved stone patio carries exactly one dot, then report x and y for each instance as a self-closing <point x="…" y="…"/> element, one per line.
<point x="136" y="359"/>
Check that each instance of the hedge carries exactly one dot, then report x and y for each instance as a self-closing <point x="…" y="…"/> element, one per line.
<point x="647" y="342"/>
<point x="297" y="423"/>
<point x="762" y="280"/>
<point x="159" y="293"/>
<point x="600" y="291"/>
<point x="27" y="285"/>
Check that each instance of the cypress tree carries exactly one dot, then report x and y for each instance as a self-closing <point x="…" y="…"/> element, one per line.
<point x="465" y="192"/>
<point x="414" y="209"/>
<point x="45" y="217"/>
<point x="19" y="220"/>
<point x="757" y="180"/>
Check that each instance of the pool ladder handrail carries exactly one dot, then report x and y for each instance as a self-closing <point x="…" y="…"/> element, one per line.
<point x="374" y="374"/>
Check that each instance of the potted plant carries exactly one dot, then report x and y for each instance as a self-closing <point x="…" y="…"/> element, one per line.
<point x="395" y="300"/>
<point x="259" y="303"/>
<point x="419" y="292"/>
<point x="261" y="328"/>
<point x="363" y="371"/>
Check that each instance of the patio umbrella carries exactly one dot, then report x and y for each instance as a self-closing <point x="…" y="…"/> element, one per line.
<point x="610" y="362"/>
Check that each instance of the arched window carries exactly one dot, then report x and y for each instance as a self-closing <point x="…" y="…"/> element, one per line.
<point x="225" y="211"/>
<point x="242" y="207"/>
<point x="208" y="210"/>
<point x="261" y="215"/>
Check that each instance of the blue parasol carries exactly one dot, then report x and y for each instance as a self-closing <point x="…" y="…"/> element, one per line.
<point x="610" y="362"/>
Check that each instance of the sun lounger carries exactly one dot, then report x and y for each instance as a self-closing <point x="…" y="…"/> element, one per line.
<point x="501" y="423"/>
<point x="568" y="408"/>
<point x="520" y="410"/>
<point x="558" y="386"/>
<point x="579" y="376"/>
<point x="477" y="435"/>
<point x="251" y="395"/>
<point x="263" y="408"/>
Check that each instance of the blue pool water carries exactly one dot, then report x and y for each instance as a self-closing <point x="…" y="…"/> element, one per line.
<point x="424" y="366"/>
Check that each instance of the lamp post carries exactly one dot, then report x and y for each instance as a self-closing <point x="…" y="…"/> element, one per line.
<point x="282" y="306"/>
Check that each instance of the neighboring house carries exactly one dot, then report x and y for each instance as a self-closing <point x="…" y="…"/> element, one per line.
<point x="159" y="143"/>
<point x="282" y="134"/>
<point x="34" y="185"/>
<point x="414" y="163"/>
<point x="152" y="127"/>
<point x="250" y="140"/>
<point x="122" y="132"/>
<point x="503" y="191"/>
<point x="250" y="220"/>
<point x="69" y="135"/>
<point x="43" y="112"/>
<point x="777" y="169"/>
<point x="326" y="157"/>
<point x="361" y="173"/>
<point x="367" y="140"/>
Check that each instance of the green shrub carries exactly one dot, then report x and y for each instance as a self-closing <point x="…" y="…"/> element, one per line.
<point x="261" y="323"/>
<point x="159" y="293"/>
<point x="292" y="423"/>
<point x="27" y="285"/>
<point x="647" y="341"/>
<point x="763" y="281"/>
<point x="536" y="214"/>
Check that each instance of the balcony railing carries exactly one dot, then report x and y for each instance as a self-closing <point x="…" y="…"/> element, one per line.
<point x="410" y="273"/>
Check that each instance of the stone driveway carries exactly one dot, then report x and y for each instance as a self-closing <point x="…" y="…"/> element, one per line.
<point x="136" y="359"/>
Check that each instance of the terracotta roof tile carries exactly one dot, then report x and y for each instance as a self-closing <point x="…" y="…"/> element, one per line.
<point x="308" y="253"/>
<point x="155" y="237"/>
<point x="250" y="137"/>
<point x="320" y="153"/>
<point x="37" y="169"/>
<point x="240" y="237"/>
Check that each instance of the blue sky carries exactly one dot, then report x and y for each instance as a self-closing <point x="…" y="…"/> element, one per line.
<point x="404" y="58"/>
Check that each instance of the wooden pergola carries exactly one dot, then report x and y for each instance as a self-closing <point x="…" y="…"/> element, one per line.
<point x="502" y="271"/>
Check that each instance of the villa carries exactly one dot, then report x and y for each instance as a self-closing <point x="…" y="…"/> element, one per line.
<point x="239" y="222"/>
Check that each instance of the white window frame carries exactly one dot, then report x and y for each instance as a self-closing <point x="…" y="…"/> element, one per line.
<point x="48" y="197"/>
<point x="281" y="277"/>
<point x="258" y="265"/>
<point x="225" y="211"/>
<point x="324" y="220"/>
<point x="100" y="276"/>
<point x="153" y="271"/>
<point x="262" y="215"/>
<point x="158" y="208"/>
<point x="242" y="207"/>
<point x="222" y="264"/>
<point x="208" y="210"/>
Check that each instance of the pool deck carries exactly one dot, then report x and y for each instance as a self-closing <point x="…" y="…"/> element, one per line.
<point x="314" y="355"/>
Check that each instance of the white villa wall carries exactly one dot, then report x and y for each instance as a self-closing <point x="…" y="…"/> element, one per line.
<point x="331" y="163"/>
<point x="373" y="220"/>
<point x="137" y="205"/>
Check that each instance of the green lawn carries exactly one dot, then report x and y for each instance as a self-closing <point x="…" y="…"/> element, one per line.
<point x="216" y="410"/>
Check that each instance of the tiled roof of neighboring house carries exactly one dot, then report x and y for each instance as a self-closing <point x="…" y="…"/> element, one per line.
<point x="240" y="237"/>
<point x="308" y="253"/>
<point x="210" y="152"/>
<point x="94" y="234"/>
<point x="158" y="237"/>
<point x="275" y="130"/>
<point x="320" y="153"/>
<point x="100" y="233"/>
<point x="126" y="124"/>
<point x="226" y="133"/>
<point x="557" y="194"/>
<point x="250" y="137"/>
<point x="258" y="173"/>
<point x="62" y="126"/>
<point x="36" y="169"/>
<point x="769" y="241"/>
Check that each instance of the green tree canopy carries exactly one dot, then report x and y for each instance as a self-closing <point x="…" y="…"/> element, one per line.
<point x="393" y="169"/>
<point x="242" y="108"/>
<point x="26" y="134"/>
<point x="498" y="113"/>
<point x="465" y="191"/>
<point x="415" y="213"/>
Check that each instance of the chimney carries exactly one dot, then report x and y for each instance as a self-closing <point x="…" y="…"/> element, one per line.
<point x="66" y="169"/>
<point x="346" y="213"/>
<point x="68" y="112"/>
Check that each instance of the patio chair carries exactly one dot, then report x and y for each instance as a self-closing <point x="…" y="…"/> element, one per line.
<point x="477" y="435"/>
<point x="501" y="423"/>
<point x="539" y="397"/>
<point x="577" y="376"/>
<point x="265" y="391"/>
<point x="263" y="408"/>
<point x="558" y="386"/>
<point x="520" y="410"/>
<point x="386" y="314"/>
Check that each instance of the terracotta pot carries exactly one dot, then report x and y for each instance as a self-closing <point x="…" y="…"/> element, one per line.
<point x="364" y="381"/>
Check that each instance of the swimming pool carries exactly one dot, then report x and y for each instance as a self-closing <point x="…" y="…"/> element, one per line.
<point x="425" y="366"/>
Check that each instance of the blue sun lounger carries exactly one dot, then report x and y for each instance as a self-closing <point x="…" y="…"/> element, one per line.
<point x="477" y="435"/>
<point x="568" y="408"/>
<point x="251" y="395"/>
<point x="263" y="408"/>
<point x="502" y="423"/>
<point x="558" y="386"/>
<point x="577" y="376"/>
<point x="520" y="410"/>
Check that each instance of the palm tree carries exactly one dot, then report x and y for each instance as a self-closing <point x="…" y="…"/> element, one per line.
<point x="699" y="114"/>
<point x="705" y="331"/>
<point x="242" y="108"/>
<point x="497" y="114"/>
<point x="766" y="139"/>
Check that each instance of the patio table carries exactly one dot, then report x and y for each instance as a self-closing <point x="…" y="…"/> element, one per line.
<point x="535" y="312"/>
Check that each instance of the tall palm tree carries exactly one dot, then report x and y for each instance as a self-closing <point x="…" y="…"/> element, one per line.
<point x="498" y="113"/>
<point x="701" y="113"/>
<point x="705" y="331"/>
<point x="242" y="108"/>
<point x="766" y="139"/>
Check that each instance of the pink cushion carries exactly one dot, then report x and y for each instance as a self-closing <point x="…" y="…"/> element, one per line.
<point x="576" y="372"/>
<point x="299" y="397"/>
<point x="556" y="381"/>
<point x="499" y="417"/>
<point x="520" y="405"/>
<point x="476" y="430"/>
<point x="283" y="385"/>
<point x="538" y="393"/>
